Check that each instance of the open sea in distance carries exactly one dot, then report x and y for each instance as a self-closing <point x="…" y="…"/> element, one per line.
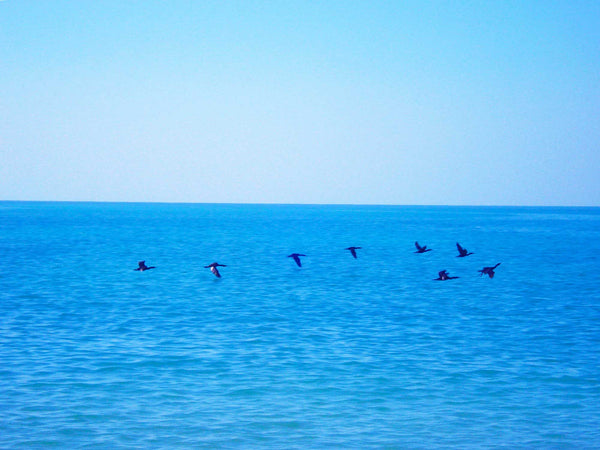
<point x="340" y="353"/>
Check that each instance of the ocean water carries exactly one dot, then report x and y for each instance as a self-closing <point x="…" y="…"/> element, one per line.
<point x="340" y="353"/>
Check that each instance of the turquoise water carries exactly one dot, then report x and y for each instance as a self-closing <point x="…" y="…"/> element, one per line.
<point x="341" y="353"/>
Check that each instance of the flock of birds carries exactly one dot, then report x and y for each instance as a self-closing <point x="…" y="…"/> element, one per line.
<point x="442" y="275"/>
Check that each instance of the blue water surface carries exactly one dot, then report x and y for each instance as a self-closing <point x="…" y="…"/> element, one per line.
<point x="340" y="353"/>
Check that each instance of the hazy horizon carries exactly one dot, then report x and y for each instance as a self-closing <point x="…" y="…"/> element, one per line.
<point x="133" y="202"/>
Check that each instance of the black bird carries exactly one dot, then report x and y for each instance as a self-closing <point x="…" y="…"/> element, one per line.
<point x="214" y="270"/>
<point x="353" y="250"/>
<point x="443" y="276"/>
<point x="462" y="252"/>
<point x="422" y="249"/>
<point x="142" y="266"/>
<point x="488" y="271"/>
<point x="296" y="257"/>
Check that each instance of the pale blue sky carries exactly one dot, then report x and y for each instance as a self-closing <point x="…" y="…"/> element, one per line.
<point x="385" y="102"/>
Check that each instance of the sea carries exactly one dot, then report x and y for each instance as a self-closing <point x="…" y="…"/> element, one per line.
<point x="371" y="352"/>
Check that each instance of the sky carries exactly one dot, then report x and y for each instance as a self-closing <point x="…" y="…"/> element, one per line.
<point x="334" y="102"/>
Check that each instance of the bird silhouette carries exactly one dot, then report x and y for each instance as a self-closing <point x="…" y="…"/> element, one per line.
<point x="443" y="276"/>
<point x="142" y="266"/>
<point x="462" y="252"/>
<point x="353" y="250"/>
<point x="214" y="270"/>
<point x="296" y="257"/>
<point x="421" y="249"/>
<point x="488" y="271"/>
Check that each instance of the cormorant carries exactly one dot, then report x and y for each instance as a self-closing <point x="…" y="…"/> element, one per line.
<point x="353" y="250"/>
<point x="296" y="257"/>
<point x="422" y="249"/>
<point x="462" y="252"/>
<point x="443" y="276"/>
<point x="142" y="266"/>
<point x="214" y="270"/>
<point x="488" y="271"/>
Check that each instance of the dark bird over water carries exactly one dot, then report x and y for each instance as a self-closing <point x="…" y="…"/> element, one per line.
<point x="488" y="271"/>
<point x="462" y="252"/>
<point x="353" y="250"/>
<point x="296" y="257"/>
<point x="142" y="266"/>
<point x="214" y="270"/>
<point x="443" y="276"/>
<point x="422" y="249"/>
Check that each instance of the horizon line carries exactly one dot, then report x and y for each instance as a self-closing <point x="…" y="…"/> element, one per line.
<point x="301" y="204"/>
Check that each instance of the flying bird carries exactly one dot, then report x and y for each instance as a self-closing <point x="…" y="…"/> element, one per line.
<point x="353" y="250"/>
<point x="142" y="266"/>
<point x="296" y="257"/>
<point x="421" y="249"/>
<point x="443" y="276"/>
<point x="462" y="252"/>
<point x="488" y="271"/>
<point x="214" y="270"/>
